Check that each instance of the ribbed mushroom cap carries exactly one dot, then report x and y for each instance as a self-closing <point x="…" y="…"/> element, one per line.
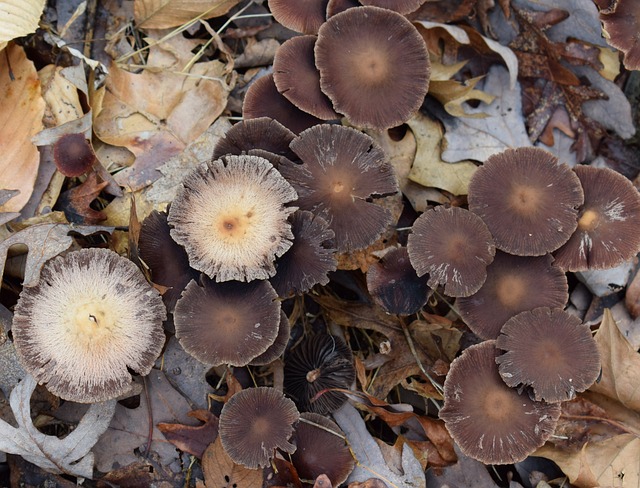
<point x="394" y="284"/>
<point x="297" y="78"/>
<point x="401" y="6"/>
<point x="255" y="422"/>
<point x="275" y="350"/>
<point x="621" y="23"/>
<point x="488" y="420"/>
<point x="374" y="66"/>
<point x="342" y="170"/>
<point x="454" y="246"/>
<point x="317" y="363"/>
<point x="528" y="199"/>
<point x="264" y="100"/>
<point x="231" y="218"/>
<point x="227" y="323"/>
<point x="514" y="284"/>
<point x="608" y="232"/>
<point x="91" y="316"/>
<point x="263" y="133"/>
<point x="73" y="154"/>
<point x="304" y="16"/>
<point x="549" y="350"/>
<point x="321" y="449"/>
<point x="310" y="258"/>
<point x="167" y="260"/>
<point x="336" y="6"/>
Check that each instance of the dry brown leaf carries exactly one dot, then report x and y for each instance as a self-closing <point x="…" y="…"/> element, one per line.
<point x="21" y="114"/>
<point x="18" y="18"/>
<point x="161" y="14"/>
<point x="220" y="470"/>
<point x="193" y="439"/>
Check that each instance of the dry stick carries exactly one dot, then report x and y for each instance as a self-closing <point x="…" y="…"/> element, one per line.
<point x="147" y="449"/>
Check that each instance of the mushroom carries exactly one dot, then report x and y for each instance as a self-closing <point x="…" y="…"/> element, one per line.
<point x="319" y="363"/>
<point x="297" y="78"/>
<point x="342" y="170"/>
<point x="401" y="6"/>
<point x="336" y="6"/>
<point x="255" y="422"/>
<point x="454" y="246"/>
<point x="620" y="22"/>
<point x="549" y="350"/>
<point x="275" y="350"/>
<point x="394" y="284"/>
<point x="374" y="66"/>
<point x="514" y="284"/>
<point x="73" y="154"/>
<point x="488" y="420"/>
<point x="91" y="317"/>
<point x="231" y="218"/>
<point x="608" y="232"/>
<point x="528" y="200"/>
<point x="227" y="323"/>
<point x="304" y="16"/>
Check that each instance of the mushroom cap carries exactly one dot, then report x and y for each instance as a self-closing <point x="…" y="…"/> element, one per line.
<point x="167" y="260"/>
<point x="91" y="316"/>
<point x="549" y="350"/>
<point x="621" y="22"/>
<point x="297" y="78"/>
<point x="227" y="323"/>
<point x="608" y="232"/>
<point x="454" y="246"/>
<point x="394" y="284"/>
<point x="230" y="217"/>
<point x="321" y="449"/>
<point x="401" y="6"/>
<point x="374" y="66"/>
<point x="318" y="363"/>
<point x="514" y="284"/>
<point x="275" y="350"/>
<point x="305" y="16"/>
<point x="342" y="170"/>
<point x="73" y="154"/>
<point x="310" y="258"/>
<point x="264" y="100"/>
<point x="255" y="422"/>
<point x="528" y="200"/>
<point x="488" y="420"/>
<point x="263" y="133"/>
<point x="336" y="6"/>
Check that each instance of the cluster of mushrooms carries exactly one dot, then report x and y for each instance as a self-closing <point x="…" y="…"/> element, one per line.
<point x="264" y="220"/>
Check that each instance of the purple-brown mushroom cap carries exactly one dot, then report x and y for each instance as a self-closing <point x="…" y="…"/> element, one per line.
<point x="275" y="350"/>
<point x="401" y="6"/>
<point x="73" y="154"/>
<point x="304" y="16"/>
<point x="621" y="23"/>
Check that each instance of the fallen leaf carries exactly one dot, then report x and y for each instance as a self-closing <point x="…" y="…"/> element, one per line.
<point x="5" y="196"/>
<point x="11" y="371"/>
<point x="160" y="14"/>
<point x="192" y="439"/>
<point x="221" y="472"/>
<point x="466" y="472"/>
<point x="76" y="202"/>
<point x="18" y="18"/>
<point x="69" y="455"/>
<point x="21" y="114"/>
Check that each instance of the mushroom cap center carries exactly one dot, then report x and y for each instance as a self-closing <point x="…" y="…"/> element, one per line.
<point x="91" y="323"/>
<point x="511" y="290"/>
<point x="371" y="67"/>
<point x="589" y="220"/>
<point x="260" y="427"/>
<point x="524" y="199"/>
<point x="498" y="404"/>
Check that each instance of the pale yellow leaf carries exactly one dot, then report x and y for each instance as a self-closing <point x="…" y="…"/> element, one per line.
<point x="18" y="18"/>
<point x="220" y="470"/>
<point x="161" y="14"/>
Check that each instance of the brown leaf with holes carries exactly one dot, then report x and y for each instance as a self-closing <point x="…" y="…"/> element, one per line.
<point x="76" y="203"/>
<point x="192" y="439"/>
<point x="221" y="472"/>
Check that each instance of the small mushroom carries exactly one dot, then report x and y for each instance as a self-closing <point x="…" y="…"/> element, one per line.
<point x="491" y="422"/>
<point x="254" y="423"/>
<point x="401" y="6"/>
<point x="620" y="22"/>
<point x="91" y="318"/>
<point x="528" y="200"/>
<point x="304" y="16"/>
<point x="549" y="350"/>
<point x="231" y="218"/>
<point x="275" y="350"/>
<point x="608" y="232"/>
<point x="73" y="154"/>
<point x="454" y="246"/>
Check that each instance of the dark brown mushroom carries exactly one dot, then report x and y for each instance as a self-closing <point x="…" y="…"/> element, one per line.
<point x="304" y="16"/>
<point x="488" y="420"/>
<point x="454" y="246"/>
<point x="514" y="284"/>
<point x="254" y="423"/>
<point x="621" y="23"/>
<point x="394" y="284"/>
<point x="549" y="350"/>
<point x="91" y="317"/>
<point x="374" y="66"/>
<point x="342" y="171"/>
<point x="319" y="363"/>
<point x="528" y="199"/>
<point x="231" y="218"/>
<point x="275" y="350"/>
<point x="73" y="154"/>
<point x="608" y="232"/>
<point x="336" y="6"/>
<point x="264" y="100"/>
<point x="401" y="6"/>
<point x="227" y="323"/>
<point x="297" y="78"/>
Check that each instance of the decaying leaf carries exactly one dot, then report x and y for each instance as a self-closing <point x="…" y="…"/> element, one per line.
<point x="220" y="470"/>
<point x="189" y="438"/>
<point x="160" y="14"/>
<point x="18" y="18"/>
<point x="69" y="455"/>
<point x="76" y="202"/>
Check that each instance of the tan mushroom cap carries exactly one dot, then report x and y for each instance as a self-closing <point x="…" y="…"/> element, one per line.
<point x="608" y="232"/>
<point x="255" y="422"/>
<point x="488" y="420"/>
<point x="231" y="218"/>
<point x="549" y="350"/>
<point x="528" y="199"/>
<point x="304" y="16"/>
<point x="374" y="66"/>
<point x="90" y="318"/>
